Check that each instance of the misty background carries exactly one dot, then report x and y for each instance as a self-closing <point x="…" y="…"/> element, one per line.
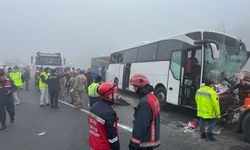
<point x="81" y="29"/>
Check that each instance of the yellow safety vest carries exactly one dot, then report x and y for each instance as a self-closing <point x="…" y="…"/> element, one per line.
<point x="17" y="78"/>
<point x="41" y="83"/>
<point x="208" y="106"/>
<point x="92" y="90"/>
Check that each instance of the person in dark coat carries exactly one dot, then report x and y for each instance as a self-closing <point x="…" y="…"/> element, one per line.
<point x="54" y="87"/>
<point x="146" y="124"/>
<point x="243" y="87"/>
<point x="89" y="77"/>
<point x="26" y="77"/>
<point x="103" y="120"/>
<point x="7" y="88"/>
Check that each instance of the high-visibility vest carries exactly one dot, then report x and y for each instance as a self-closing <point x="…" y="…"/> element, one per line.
<point x="41" y="83"/>
<point x="208" y="106"/>
<point x="92" y="90"/>
<point x="17" y="78"/>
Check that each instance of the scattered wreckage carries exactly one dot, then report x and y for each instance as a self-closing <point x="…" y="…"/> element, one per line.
<point x="232" y="109"/>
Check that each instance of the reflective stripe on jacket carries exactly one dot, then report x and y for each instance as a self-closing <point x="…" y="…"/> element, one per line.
<point x="92" y="90"/>
<point x="103" y="127"/>
<point x="41" y="83"/>
<point x="17" y="78"/>
<point x="146" y="129"/>
<point x="208" y="106"/>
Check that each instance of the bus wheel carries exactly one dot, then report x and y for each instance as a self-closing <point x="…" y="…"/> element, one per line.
<point x="246" y="126"/>
<point x="160" y="93"/>
<point x="116" y="81"/>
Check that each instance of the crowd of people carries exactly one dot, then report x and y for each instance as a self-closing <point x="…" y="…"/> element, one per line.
<point x="103" y="120"/>
<point x="53" y="84"/>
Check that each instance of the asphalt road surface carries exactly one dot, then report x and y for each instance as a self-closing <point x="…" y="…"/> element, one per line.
<point x="66" y="128"/>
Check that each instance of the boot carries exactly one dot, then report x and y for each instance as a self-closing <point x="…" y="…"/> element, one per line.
<point x="12" y="120"/>
<point x="203" y="135"/>
<point x="211" y="137"/>
<point x="3" y="126"/>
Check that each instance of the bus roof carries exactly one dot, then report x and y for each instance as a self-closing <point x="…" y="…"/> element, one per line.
<point x="177" y="36"/>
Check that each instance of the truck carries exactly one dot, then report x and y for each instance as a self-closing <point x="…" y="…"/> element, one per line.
<point x="47" y="60"/>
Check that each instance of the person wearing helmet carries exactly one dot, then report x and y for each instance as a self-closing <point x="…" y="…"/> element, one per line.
<point x="7" y="88"/>
<point x="92" y="90"/>
<point x="146" y="124"/>
<point x="103" y="120"/>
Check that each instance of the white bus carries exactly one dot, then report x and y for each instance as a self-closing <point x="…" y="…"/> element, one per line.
<point x="173" y="74"/>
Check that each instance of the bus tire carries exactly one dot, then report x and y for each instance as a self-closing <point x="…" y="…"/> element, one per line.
<point x="160" y="92"/>
<point x="246" y="126"/>
<point x="116" y="81"/>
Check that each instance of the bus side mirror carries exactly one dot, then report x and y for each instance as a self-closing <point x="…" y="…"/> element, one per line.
<point x="213" y="46"/>
<point x="215" y="50"/>
<point x="248" y="54"/>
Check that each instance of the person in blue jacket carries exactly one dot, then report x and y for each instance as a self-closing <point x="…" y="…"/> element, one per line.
<point x="146" y="124"/>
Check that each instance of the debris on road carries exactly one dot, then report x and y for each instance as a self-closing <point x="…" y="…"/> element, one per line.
<point x="42" y="133"/>
<point x="120" y="101"/>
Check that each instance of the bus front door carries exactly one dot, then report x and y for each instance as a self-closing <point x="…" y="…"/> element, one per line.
<point x="174" y="77"/>
<point x="191" y="76"/>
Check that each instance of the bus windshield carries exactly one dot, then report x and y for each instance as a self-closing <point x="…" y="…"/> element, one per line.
<point x="233" y="57"/>
<point x="48" y="60"/>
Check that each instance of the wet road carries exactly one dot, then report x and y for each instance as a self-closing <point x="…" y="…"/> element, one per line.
<point x="66" y="128"/>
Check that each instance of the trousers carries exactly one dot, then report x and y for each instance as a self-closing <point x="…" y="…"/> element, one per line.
<point x="44" y="99"/>
<point x="7" y="104"/>
<point x="54" y="98"/>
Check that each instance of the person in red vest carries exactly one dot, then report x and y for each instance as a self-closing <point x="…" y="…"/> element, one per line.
<point x="103" y="120"/>
<point x="146" y="124"/>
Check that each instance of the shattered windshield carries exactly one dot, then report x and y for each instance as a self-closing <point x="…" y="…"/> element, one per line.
<point x="233" y="56"/>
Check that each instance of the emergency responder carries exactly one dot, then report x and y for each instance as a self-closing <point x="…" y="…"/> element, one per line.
<point x="7" y="88"/>
<point x="54" y="87"/>
<point x="243" y="87"/>
<point x="146" y="124"/>
<point x="208" y="108"/>
<point x="92" y="90"/>
<point x="103" y="120"/>
<point x="79" y="87"/>
<point x="17" y="77"/>
<point x="43" y="86"/>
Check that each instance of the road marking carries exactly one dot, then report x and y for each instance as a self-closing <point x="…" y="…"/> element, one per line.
<point x="127" y="128"/>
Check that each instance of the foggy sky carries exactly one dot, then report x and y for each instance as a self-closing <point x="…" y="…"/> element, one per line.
<point x="81" y="29"/>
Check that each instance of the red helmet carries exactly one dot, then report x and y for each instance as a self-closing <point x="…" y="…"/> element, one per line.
<point x="106" y="88"/>
<point x="139" y="80"/>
